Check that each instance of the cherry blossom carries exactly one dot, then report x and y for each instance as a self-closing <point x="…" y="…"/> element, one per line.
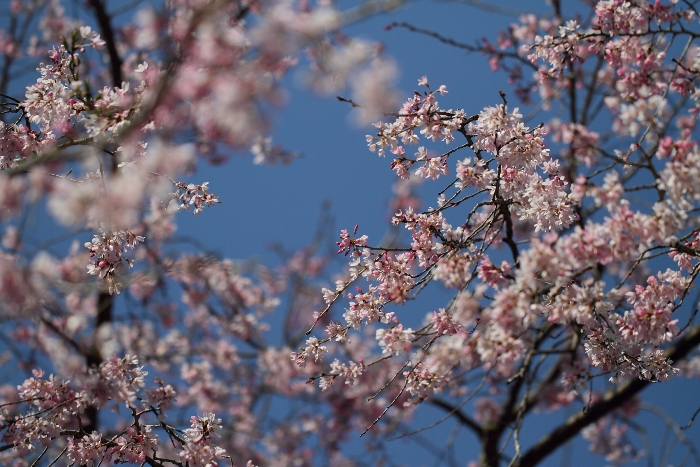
<point x="550" y="267"/>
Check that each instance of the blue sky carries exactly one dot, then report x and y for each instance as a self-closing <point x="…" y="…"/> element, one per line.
<point x="282" y="203"/>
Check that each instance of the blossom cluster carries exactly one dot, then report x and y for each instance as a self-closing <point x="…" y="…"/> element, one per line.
<point x="198" y="449"/>
<point x="193" y="197"/>
<point x="56" y="407"/>
<point x="52" y="404"/>
<point x="107" y="251"/>
<point x="420" y="115"/>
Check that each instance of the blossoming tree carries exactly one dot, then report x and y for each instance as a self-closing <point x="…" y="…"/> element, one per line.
<point x="569" y="246"/>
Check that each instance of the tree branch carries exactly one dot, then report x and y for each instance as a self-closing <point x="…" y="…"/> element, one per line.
<point x="461" y="416"/>
<point x="610" y="401"/>
<point x="103" y="19"/>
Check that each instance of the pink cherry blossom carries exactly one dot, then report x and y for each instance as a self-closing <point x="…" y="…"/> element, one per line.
<point x="537" y="255"/>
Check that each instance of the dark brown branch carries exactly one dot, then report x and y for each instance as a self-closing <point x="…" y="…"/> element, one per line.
<point x="459" y="415"/>
<point x="104" y="20"/>
<point x="433" y="34"/>
<point x="94" y="358"/>
<point x="508" y="238"/>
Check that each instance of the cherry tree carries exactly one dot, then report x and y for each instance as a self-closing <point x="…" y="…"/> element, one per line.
<point x="567" y="240"/>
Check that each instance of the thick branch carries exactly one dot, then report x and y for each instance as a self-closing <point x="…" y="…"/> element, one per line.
<point x="93" y="358"/>
<point x="612" y="400"/>
<point x="459" y="415"/>
<point x="103" y="19"/>
<point x="508" y="238"/>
